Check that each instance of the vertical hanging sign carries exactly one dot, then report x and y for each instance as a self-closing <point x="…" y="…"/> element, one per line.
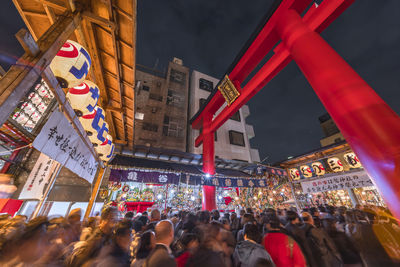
<point x="38" y="178"/>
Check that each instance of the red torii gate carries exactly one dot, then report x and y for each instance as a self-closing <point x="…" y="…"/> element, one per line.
<point x="369" y="125"/>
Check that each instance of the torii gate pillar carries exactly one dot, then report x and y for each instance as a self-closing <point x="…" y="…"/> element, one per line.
<point x="369" y="125"/>
<point x="208" y="202"/>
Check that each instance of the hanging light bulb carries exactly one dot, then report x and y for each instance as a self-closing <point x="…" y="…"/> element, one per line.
<point x="219" y="197"/>
<point x="255" y="198"/>
<point x="159" y="196"/>
<point x="192" y="198"/>
<point x="274" y="192"/>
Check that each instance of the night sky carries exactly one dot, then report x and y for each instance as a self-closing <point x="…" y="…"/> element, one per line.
<point x="207" y="35"/>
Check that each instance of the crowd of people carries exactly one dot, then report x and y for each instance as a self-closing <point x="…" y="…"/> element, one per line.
<point x="318" y="236"/>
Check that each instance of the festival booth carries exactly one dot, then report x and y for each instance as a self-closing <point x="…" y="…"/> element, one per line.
<point x="136" y="183"/>
<point x="337" y="180"/>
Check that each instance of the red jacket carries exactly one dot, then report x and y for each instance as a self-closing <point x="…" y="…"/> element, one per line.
<point x="284" y="251"/>
<point x="182" y="259"/>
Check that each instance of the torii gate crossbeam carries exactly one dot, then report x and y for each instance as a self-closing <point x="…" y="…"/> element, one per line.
<point x="369" y="125"/>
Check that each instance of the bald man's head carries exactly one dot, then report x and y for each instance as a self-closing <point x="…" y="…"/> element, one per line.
<point x="164" y="232"/>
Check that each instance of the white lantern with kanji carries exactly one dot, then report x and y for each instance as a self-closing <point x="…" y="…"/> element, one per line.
<point x="71" y="64"/>
<point x="106" y="149"/>
<point x="318" y="168"/>
<point x="306" y="171"/>
<point x="103" y="132"/>
<point x="83" y="97"/>
<point x="335" y="164"/>
<point x="92" y="123"/>
<point x="294" y="174"/>
<point x="352" y="160"/>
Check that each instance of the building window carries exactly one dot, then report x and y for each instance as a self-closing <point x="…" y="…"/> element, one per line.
<point x="150" y="127"/>
<point x="236" y="138"/>
<point x="145" y="88"/>
<point x="236" y="116"/>
<point x="202" y="102"/>
<point x="175" y="99"/>
<point x="206" y="85"/>
<point x="156" y="97"/>
<point x="338" y="140"/>
<point x="177" y="76"/>
<point x="173" y="127"/>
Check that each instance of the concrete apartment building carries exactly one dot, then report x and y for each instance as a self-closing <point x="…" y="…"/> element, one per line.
<point x="332" y="134"/>
<point x="161" y="111"/>
<point x="232" y="139"/>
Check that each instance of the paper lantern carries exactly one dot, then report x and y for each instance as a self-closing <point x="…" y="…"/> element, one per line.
<point x="335" y="164"/>
<point x="106" y="149"/>
<point x="92" y="123"/>
<point x="306" y="171"/>
<point x="294" y="174"/>
<point x="103" y="132"/>
<point x="71" y="64"/>
<point x="352" y="160"/>
<point x="318" y="168"/>
<point x="83" y="98"/>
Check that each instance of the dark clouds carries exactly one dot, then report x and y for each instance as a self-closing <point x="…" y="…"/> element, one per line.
<point x="207" y="35"/>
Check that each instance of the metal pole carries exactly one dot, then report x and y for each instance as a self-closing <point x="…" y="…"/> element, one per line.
<point x="95" y="191"/>
<point x="294" y="197"/>
<point x="47" y="191"/>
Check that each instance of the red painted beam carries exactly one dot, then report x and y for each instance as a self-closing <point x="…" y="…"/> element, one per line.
<point x="260" y="47"/>
<point x="368" y="124"/>
<point x="317" y="19"/>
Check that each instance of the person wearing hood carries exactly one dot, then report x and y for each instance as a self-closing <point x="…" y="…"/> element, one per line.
<point x="248" y="252"/>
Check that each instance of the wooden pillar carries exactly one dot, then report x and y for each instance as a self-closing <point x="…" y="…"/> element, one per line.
<point x="95" y="192"/>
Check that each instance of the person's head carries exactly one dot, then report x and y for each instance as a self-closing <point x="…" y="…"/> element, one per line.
<point x="214" y="230"/>
<point x="22" y="218"/>
<point x="122" y="234"/>
<point x="108" y="219"/>
<point x="155" y="215"/>
<point x="215" y="215"/>
<point x="146" y="245"/>
<point x="60" y="228"/>
<point x="129" y="215"/>
<point x="292" y="217"/>
<point x="137" y="226"/>
<point x="190" y="241"/>
<point x="10" y="234"/>
<point x="307" y="218"/>
<point x="34" y="240"/>
<point x="92" y="222"/>
<point x="249" y="210"/>
<point x="225" y="224"/>
<point x="204" y="216"/>
<point x="143" y="219"/>
<point x="247" y="218"/>
<point x="242" y="212"/>
<point x="233" y="216"/>
<point x="164" y="232"/>
<point x="251" y="232"/>
<point x="75" y="216"/>
<point x="273" y="223"/>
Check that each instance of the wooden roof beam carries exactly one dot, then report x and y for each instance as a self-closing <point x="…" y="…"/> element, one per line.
<point x="98" y="20"/>
<point x="56" y="4"/>
<point x="24" y="18"/>
<point x="117" y="53"/>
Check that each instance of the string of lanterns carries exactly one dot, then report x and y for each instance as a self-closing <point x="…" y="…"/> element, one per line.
<point x="71" y="66"/>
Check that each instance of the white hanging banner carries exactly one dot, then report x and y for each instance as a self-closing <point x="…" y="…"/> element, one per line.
<point x="59" y="140"/>
<point x="337" y="182"/>
<point x="38" y="178"/>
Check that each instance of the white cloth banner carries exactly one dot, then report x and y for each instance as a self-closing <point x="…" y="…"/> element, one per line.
<point x="38" y="178"/>
<point x="59" y="140"/>
<point x="337" y="182"/>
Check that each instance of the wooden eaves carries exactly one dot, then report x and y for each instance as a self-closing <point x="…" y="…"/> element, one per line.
<point x="108" y="31"/>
